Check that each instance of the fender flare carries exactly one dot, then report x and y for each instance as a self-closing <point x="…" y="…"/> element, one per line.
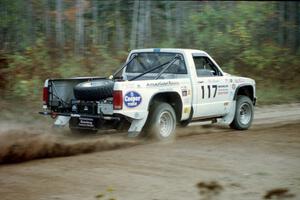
<point x="240" y="86"/>
<point x="166" y="92"/>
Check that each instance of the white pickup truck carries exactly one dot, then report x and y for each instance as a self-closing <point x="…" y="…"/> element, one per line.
<point x="155" y="90"/>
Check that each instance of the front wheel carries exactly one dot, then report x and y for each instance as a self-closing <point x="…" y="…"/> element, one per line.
<point x="243" y="114"/>
<point x="161" y="123"/>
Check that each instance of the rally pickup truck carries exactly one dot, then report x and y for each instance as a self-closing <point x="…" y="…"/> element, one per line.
<point x="153" y="92"/>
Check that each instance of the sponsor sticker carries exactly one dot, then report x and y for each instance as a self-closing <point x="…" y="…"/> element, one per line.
<point x="162" y="84"/>
<point x="86" y="122"/>
<point x="132" y="99"/>
<point x="187" y="110"/>
<point x="223" y="89"/>
<point x="222" y="86"/>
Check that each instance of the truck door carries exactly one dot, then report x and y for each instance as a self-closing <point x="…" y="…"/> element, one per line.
<point x="212" y="89"/>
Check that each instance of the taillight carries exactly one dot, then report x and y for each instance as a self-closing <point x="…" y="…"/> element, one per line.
<point x="118" y="100"/>
<point x="45" y="96"/>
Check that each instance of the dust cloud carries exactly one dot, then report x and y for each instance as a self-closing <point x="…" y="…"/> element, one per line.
<point x="24" y="145"/>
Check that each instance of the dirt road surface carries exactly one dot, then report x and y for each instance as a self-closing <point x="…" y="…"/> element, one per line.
<point x="205" y="162"/>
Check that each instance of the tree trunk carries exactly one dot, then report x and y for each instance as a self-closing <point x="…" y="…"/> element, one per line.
<point x="3" y="31"/>
<point x="119" y="40"/>
<point x="178" y="20"/>
<point x="95" y="22"/>
<point x="298" y="26"/>
<point x="103" y="28"/>
<point x="47" y="18"/>
<point x="281" y="31"/>
<point x="60" y="39"/>
<point x="168" y="20"/>
<point x="79" y="33"/>
<point x="30" y="29"/>
<point x="148" y="28"/>
<point x="141" y="25"/>
<point x="134" y="24"/>
<point x="292" y="29"/>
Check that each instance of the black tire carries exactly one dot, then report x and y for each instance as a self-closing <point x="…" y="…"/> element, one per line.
<point x="244" y="113"/>
<point x="161" y="113"/>
<point x="94" y="90"/>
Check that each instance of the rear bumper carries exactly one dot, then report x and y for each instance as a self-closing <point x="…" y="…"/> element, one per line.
<point x="55" y="114"/>
<point x="85" y="121"/>
<point x="104" y="121"/>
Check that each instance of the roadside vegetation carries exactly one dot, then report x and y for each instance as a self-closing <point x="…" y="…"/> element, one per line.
<point x="42" y="39"/>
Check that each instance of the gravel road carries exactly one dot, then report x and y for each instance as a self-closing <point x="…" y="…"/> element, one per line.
<point x="205" y="162"/>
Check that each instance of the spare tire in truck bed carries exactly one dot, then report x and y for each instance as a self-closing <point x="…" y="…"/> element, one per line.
<point x="94" y="90"/>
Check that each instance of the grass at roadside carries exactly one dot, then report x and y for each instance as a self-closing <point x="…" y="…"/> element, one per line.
<point x="277" y="95"/>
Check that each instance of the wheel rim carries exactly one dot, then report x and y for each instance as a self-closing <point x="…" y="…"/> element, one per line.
<point x="245" y="113"/>
<point x="166" y="124"/>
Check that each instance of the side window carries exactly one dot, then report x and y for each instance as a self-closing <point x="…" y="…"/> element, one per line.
<point x="205" y="67"/>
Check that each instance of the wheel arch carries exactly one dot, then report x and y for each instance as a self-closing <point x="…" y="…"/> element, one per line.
<point x="172" y="98"/>
<point x="246" y="90"/>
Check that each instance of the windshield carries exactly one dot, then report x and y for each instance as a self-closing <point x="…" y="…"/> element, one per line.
<point x="148" y="60"/>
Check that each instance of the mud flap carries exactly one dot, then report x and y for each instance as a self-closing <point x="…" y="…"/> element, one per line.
<point x="61" y="121"/>
<point x="227" y="119"/>
<point x="136" y="127"/>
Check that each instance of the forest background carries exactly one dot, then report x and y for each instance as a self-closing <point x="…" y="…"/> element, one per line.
<point x="40" y="39"/>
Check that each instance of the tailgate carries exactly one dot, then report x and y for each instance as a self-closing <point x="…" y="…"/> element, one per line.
<point x="61" y="92"/>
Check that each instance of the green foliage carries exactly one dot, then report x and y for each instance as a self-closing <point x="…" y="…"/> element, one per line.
<point x="277" y="94"/>
<point x="28" y="70"/>
<point x="245" y="38"/>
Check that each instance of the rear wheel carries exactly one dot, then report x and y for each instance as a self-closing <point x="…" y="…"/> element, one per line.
<point x="243" y="114"/>
<point x="161" y="123"/>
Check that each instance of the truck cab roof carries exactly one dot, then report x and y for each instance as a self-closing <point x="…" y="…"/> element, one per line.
<point x="175" y="50"/>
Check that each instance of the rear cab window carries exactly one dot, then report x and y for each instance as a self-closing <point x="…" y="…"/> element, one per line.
<point x="148" y="60"/>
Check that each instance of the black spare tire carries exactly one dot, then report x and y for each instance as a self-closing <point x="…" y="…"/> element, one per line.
<point x="94" y="90"/>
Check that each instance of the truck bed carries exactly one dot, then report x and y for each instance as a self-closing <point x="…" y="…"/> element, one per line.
<point x="61" y="91"/>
